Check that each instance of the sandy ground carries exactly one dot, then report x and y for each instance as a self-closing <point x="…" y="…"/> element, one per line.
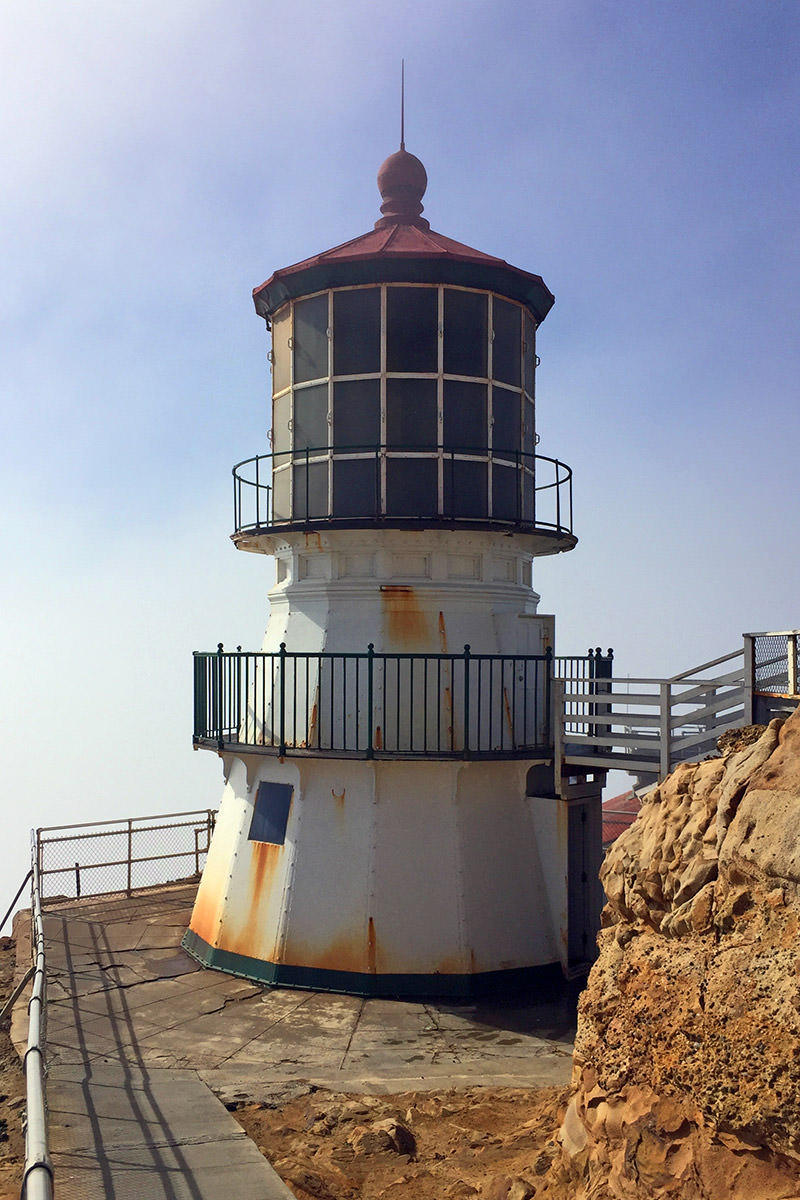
<point x="12" y="1088"/>
<point x="495" y="1143"/>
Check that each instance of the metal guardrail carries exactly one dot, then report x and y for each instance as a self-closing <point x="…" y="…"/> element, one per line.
<point x="646" y="725"/>
<point x="372" y="705"/>
<point x="158" y="868"/>
<point x="37" y="1183"/>
<point x="534" y="491"/>
<point x="102" y="857"/>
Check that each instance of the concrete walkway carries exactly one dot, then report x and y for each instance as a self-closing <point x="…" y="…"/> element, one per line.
<point x="142" y="1041"/>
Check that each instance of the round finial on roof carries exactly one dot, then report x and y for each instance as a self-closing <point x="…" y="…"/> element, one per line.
<point x="402" y="181"/>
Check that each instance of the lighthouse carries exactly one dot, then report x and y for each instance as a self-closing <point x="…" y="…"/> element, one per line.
<point x="395" y="819"/>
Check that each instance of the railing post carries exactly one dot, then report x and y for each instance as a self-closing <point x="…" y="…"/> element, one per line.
<point x="466" y="699"/>
<point x="665" y="729"/>
<point x="558" y="719"/>
<point x="549" y="726"/>
<point x="370" y="685"/>
<point x="200" y="695"/>
<point x="40" y="871"/>
<point x="217" y="697"/>
<point x="749" y="679"/>
<point x="601" y="668"/>
<point x="520" y="484"/>
<point x="558" y="498"/>
<point x="238" y="691"/>
<point x="130" y="856"/>
<point x="282" y="700"/>
<point x="307" y="487"/>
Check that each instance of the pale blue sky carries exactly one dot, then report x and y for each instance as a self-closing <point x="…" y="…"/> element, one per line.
<point x="161" y="159"/>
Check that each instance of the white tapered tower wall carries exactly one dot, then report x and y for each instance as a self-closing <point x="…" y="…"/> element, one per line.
<point x="420" y="870"/>
<point x="414" y="592"/>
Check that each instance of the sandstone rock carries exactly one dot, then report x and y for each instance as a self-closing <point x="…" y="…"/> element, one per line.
<point x="505" y="1187"/>
<point x="381" y="1136"/>
<point x="686" y="1073"/>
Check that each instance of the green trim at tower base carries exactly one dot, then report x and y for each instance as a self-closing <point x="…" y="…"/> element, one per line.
<point x="545" y="980"/>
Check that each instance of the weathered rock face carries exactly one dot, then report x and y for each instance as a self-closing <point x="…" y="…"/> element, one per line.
<point x="686" y="1077"/>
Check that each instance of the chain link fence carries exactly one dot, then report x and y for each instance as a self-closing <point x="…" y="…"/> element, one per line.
<point x="771" y="663"/>
<point x="105" y="857"/>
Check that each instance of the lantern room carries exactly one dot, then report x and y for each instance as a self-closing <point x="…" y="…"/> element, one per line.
<point x="403" y="368"/>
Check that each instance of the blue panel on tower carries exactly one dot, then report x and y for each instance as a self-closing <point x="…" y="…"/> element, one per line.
<point x="271" y="813"/>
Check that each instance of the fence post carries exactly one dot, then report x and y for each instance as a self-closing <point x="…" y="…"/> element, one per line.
<point x="282" y="700"/>
<point x="370" y="684"/>
<point x="40" y="871"/>
<point x="466" y="700"/>
<point x="749" y="679"/>
<point x="665" y="728"/>
<point x="130" y="854"/>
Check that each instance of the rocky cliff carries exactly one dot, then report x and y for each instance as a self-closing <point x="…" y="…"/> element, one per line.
<point x="686" y="1077"/>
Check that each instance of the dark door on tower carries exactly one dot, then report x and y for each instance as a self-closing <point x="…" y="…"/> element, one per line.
<point x="584" y="854"/>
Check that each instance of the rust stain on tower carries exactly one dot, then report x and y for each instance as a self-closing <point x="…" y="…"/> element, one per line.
<point x="406" y="623"/>
<point x="372" y="948"/>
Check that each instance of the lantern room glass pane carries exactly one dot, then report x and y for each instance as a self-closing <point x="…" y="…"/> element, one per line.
<point x="412" y="329"/>
<point x="528" y="428"/>
<point x="506" y="418"/>
<point x="465" y="425"/>
<point x="507" y="342"/>
<point x="310" y="490"/>
<point x="357" y="332"/>
<point x="310" y="422"/>
<point x="465" y="488"/>
<point x="411" y="413"/>
<point x="310" y="338"/>
<point x="505" y="493"/>
<point x="281" y="355"/>
<point x="465" y="333"/>
<point x="356" y="487"/>
<point x="357" y="413"/>
<point x="529" y="353"/>
<point x="411" y="487"/>
<point x="281" y="508"/>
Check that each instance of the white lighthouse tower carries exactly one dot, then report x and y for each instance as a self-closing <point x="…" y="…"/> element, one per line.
<point x="392" y="820"/>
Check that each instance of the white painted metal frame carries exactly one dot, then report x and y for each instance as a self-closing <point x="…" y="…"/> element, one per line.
<point x="648" y="725"/>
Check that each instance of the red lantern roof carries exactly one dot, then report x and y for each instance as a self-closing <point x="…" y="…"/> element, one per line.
<point x="402" y="248"/>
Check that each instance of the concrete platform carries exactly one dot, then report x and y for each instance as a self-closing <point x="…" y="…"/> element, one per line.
<point x="142" y="1041"/>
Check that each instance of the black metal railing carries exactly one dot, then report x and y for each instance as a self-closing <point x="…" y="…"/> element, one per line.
<point x="585" y="677"/>
<point x="526" y="490"/>
<point x="374" y="705"/>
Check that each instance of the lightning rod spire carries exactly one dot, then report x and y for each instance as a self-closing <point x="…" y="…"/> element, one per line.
<point x="402" y="104"/>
